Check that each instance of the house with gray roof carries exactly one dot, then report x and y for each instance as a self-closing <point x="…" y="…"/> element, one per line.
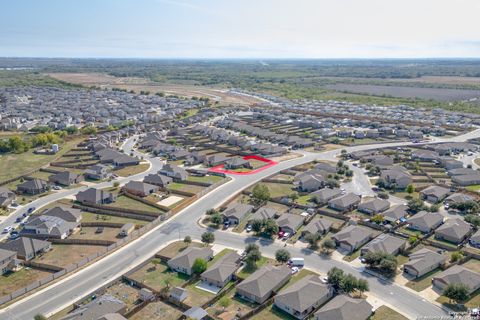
<point x="347" y="202"/>
<point x="98" y="172"/>
<point x="384" y="243"/>
<point x="158" y="180"/>
<point x="95" y="196"/>
<point x="374" y="206"/>
<point x="453" y="230"/>
<point x="34" y="186"/>
<point x="196" y="313"/>
<point x="324" y="195"/>
<point x="237" y="163"/>
<point x="317" y="225"/>
<point x="467" y="180"/>
<point x="343" y="307"/>
<point x="175" y="172"/>
<point x="309" y="181"/>
<point x="458" y="197"/>
<point x="45" y="226"/>
<point x="327" y="167"/>
<point x="222" y="271"/>
<point x="304" y="296"/>
<point x="183" y="262"/>
<point x="475" y="239"/>
<point x="67" y="214"/>
<point x="290" y="222"/>
<point x="178" y="294"/>
<point x="264" y="213"/>
<point x="97" y="308"/>
<point x="423" y="261"/>
<point x="396" y="178"/>
<point x="236" y="212"/>
<point x="425" y="221"/>
<point x="459" y="275"/>
<point x="65" y="178"/>
<point x="434" y="194"/>
<point x="8" y="261"/>
<point x="215" y="160"/>
<point x="140" y="189"/>
<point x="352" y="237"/>
<point x="26" y="248"/>
<point x="6" y="197"/>
<point x="261" y="284"/>
<point x="395" y="213"/>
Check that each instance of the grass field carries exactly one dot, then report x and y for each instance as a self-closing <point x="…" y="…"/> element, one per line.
<point x="63" y="255"/>
<point x="423" y="282"/>
<point x="157" y="276"/>
<point x="14" y="165"/>
<point x="93" y="217"/>
<point x="278" y="189"/>
<point x="184" y="187"/>
<point x="128" y="203"/>
<point x="246" y="271"/>
<point x="384" y="312"/>
<point x="16" y="280"/>
<point x="109" y="234"/>
<point x="205" y="179"/>
<point x="132" y="170"/>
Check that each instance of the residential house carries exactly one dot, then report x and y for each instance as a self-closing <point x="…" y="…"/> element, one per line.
<point x="396" y="178"/>
<point x="158" y="180"/>
<point x="327" y="167"/>
<point x="264" y="213"/>
<point x="6" y="197"/>
<point x="453" y="230"/>
<point x="46" y="226"/>
<point x="309" y="181"/>
<point x="374" y="206"/>
<point x="178" y="294"/>
<point x="343" y="307"/>
<point x="98" y="172"/>
<point x="317" y="225"/>
<point x="69" y="215"/>
<point x="222" y="271"/>
<point x="27" y="248"/>
<point x="8" y="261"/>
<point x="95" y="196"/>
<point x="235" y="213"/>
<point x="261" y="284"/>
<point x="140" y="189"/>
<point x="97" y="308"/>
<point x="324" y="195"/>
<point x="216" y="160"/>
<point x="183" y="262"/>
<point x="352" y="237"/>
<point x="347" y="202"/>
<point x="32" y="187"/>
<point x="458" y="197"/>
<point x="425" y="221"/>
<point x="304" y="296"/>
<point x="384" y="243"/>
<point x="175" y="172"/>
<point x="457" y="275"/>
<point x="475" y="239"/>
<point x="289" y="222"/>
<point x="65" y="178"/>
<point x="467" y="180"/>
<point x="395" y="213"/>
<point x="422" y="262"/>
<point x="434" y="194"/>
<point x="237" y="163"/>
<point x="196" y="313"/>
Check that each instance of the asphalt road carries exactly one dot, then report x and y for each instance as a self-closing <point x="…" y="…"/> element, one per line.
<point x="61" y="294"/>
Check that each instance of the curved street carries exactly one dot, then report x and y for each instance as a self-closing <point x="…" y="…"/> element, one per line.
<point x="77" y="285"/>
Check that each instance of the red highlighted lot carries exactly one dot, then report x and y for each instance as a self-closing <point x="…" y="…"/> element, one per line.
<point x="268" y="163"/>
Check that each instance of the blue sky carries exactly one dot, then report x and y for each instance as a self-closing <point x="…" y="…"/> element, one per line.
<point x="240" y="28"/>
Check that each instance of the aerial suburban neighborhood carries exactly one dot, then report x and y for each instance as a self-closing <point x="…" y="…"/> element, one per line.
<point x="227" y="160"/>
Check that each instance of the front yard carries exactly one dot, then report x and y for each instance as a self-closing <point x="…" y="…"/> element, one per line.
<point x="132" y="170"/>
<point x="158" y="276"/>
<point x="13" y="281"/>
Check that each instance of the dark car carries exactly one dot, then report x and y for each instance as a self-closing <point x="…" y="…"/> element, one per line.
<point x="30" y="210"/>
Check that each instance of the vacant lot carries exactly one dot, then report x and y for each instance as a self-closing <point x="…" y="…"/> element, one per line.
<point x="205" y="179"/>
<point x="278" y="189"/>
<point x="157" y="310"/>
<point x="131" y="170"/>
<point x="184" y="187"/>
<point x="124" y="292"/>
<point x="16" y="280"/>
<point x="129" y="203"/>
<point x="109" y="234"/>
<point x="443" y="95"/>
<point x="93" y="217"/>
<point x="158" y="276"/>
<point x="63" y="255"/>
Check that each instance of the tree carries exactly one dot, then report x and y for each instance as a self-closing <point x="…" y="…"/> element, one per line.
<point x="282" y="255"/>
<point x="270" y="227"/>
<point x="378" y="218"/>
<point x="458" y="292"/>
<point x="260" y="193"/>
<point x="40" y="317"/>
<point x="456" y="256"/>
<point x="473" y="219"/>
<point x="251" y="247"/>
<point x="348" y="283"/>
<point x="335" y="276"/>
<point x="328" y="245"/>
<point x="312" y="239"/>
<point x="224" y="302"/>
<point x="349" y="173"/>
<point x="293" y="197"/>
<point x="415" y="205"/>
<point x="412" y="240"/>
<point x="116" y="184"/>
<point x="199" y="266"/>
<point x="383" y="262"/>
<point x="257" y="225"/>
<point x="332" y="183"/>
<point x="187" y="240"/>
<point x="362" y="285"/>
<point x="216" y="219"/>
<point x="252" y="257"/>
<point x="211" y="212"/>
<point x="156" y="262"/>
<point x="91" y="130"/>
<point x="208" y="237"/>
<point x="434" y="207"/>
<point x="410" y="189"/>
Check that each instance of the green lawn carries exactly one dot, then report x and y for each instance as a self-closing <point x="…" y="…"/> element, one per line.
<point x="218" y="256"/>
<point x="384" y="312"/>
<point x="273" y="313"/>
<point x="128" y="203"/>
<point x="157" y="276"/>
<point x="352" y="256"/>
<point x="205" y="179"/>
<point x="14" y="165"/>
<point x="132" y="170"/>
<point x="184" y="187"/>
<point x="245" y="271"/>
<point x="303" y="200"/>
<point x="423" y="282"/>
<point x="278" y="189"/>
<point x="11" y="282"/>
<point x="93" y="217"/>
<point x="196" y="296"/>
<point x="475" y="187"/>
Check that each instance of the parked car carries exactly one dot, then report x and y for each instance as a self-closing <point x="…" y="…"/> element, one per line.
<point x="324" y="279"/>
<point x="295" y="270"/>
<point x="286" y="235"/>
<point x="226" y="224"/>
<point x="280" y="234"/>
<point x="99" y="230"/>
<point x="31" y="209"/>
<point x="7" y="229"/>
<point x="249" y="228"/>
<point x="19" y="219"/>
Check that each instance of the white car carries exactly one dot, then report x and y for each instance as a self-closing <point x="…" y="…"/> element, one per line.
<point x="324" y="279"/>
<point x="286" y="235"/>
<point x="249" y="228"/>
<point x="7" y="229"/>
<point x="295" y="270"/>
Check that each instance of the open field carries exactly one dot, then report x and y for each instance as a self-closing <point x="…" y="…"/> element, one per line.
<point x="124" y="292"/>
<point x="109" y="234"/>
<point x="14" y="165"/>
<point x="131" y="170"/>
<point x="19" y="279"/>
<point x="436" y="94"/>
<point x="63" y="255"/>
<point x="157" y="276"/>
<point x="93" y="217"/>
<point x="128" y="203"/>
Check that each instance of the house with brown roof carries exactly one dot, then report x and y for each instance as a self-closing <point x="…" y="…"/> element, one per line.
<point x="343" y="307"/>
<point x="6" y="197"/>
<point x="65" y="178"/>
<point x="222" y="271"/>
<point x="352" y="237"/>
<point x="459" y="275"/>
<point x="453" y="230"/>
<point x="434" y="194"/>
<point x="423" y="261"/>
<point x="347" y="202"/>
<point x="425" y="221"/>
<point x="374" y="206"/>
<point x="183" y="262"/>
<point x="34" y="186"/>
<point x="384" y="243"/>
<point x="289" y="222"/>
<point x="236" y="212"/>
<point x="140" y="189"/>
<point x="261" y="284"/>
<point x="317" y="225"/>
